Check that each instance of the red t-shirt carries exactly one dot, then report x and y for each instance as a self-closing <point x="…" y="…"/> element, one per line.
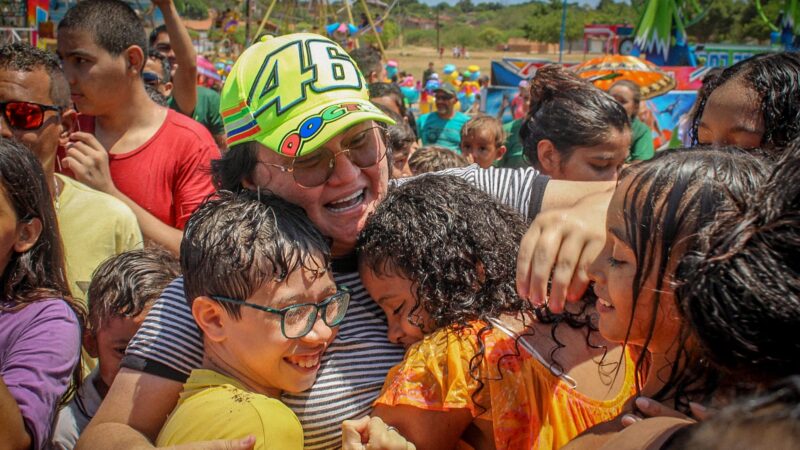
<point x="170" y="174"/>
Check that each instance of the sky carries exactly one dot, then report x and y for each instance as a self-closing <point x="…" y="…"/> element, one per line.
<point x="504" y="2"/>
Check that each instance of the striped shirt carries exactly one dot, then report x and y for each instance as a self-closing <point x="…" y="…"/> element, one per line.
<point x="354" y="366"/>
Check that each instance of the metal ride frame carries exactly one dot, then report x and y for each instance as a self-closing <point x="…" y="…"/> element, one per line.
<point x="9" y="35"/>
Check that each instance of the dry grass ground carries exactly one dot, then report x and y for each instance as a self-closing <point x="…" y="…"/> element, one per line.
<point x="415" y="59"/>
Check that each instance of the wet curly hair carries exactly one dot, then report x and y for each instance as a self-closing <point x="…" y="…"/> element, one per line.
<point x="456" y="243"/>
<point x="458" y="246"/>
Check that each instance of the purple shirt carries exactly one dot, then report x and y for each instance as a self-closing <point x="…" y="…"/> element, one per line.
<point x="39" y="348"/>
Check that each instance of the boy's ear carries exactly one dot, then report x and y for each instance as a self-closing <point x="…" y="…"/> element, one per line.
<point x="90" y="343"/>
<point x="209" y="317"/>
<point x="135" y="58"/>
<point x="68" y="118"/>
<point x="549" y="158"/>
<point x="501" y="151"/>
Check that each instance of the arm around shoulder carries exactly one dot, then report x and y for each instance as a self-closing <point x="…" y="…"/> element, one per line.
<point x="132" y="413"/>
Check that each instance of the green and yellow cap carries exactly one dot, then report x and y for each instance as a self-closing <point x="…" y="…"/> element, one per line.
<point x="293" y="93"/>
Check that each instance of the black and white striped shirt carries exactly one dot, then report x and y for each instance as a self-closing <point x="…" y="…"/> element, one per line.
<point x="354" y="367"/>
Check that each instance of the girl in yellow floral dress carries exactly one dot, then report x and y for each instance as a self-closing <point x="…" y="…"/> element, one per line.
<point x="483" y="368"/>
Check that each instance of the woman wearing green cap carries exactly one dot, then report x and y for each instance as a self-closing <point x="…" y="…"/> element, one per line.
<point x="299" y="124"/>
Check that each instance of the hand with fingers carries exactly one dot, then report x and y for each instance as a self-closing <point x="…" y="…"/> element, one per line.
<point x="247" y="443"/>
<point x="559" y="246"/>
<point x="648" y="407"/>
<point x="88" y="160"/>
<point x="371" y="433"/>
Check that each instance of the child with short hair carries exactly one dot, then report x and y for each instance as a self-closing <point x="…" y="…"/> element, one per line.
<point x="433" y="158"/>
<point x="482" y="365"/>
<point x="257" y="278"/>
<point x="483" y="140"/>
<point x="122" y="290"/>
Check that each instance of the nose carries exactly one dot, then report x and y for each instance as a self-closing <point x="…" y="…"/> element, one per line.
<point x="596" y="271"/>
<point x="395" y="332"/>
<point x="5" y="128"/>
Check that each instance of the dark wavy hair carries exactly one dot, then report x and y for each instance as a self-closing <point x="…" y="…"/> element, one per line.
<point x="741" y="290"/>
<point x="568" y="111"/>
<point x="458" y="246"/>
<point x="40" y="272"/>
<point x="668" y="202"/>
<point x="775" y="77"/>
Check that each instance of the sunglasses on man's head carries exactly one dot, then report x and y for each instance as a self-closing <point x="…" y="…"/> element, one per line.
<point x="25" y="115"/>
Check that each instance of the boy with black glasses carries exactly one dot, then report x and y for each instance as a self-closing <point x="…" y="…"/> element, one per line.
<point x="257" y="277"/>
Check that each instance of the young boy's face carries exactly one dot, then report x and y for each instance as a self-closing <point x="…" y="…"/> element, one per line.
<point x="92" y="72"/>
<point x="400" y="167"/>
<point x="108" y="345"/>
<point x="258" y="353"/>
<point x="396" y="296"/>
<point x="480" y="147"/>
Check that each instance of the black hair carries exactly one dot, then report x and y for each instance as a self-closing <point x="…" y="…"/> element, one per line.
<point x="126" y="284"/>
<point x="154" y="34"/>
<point x="569" y="112"/>
<point x="740" y="291"/>
<point x="40" y="272"/>
<point x="236" y="243"/>
<point x="765" y="421"/>
<point x="775" y="78"/>
<point x="113" y="24"/>
<point x="368" y="59"/>
<point x="22" y="57"/>
<point x="166" y="67"/>
<point x="389" y="90"/>
<point x="669" y="200"/>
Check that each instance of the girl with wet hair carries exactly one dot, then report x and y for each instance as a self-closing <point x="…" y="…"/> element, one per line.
<point x="741" y="291"/>
<point x="655" y="217"/>
<point x="753" y="104"/>
<point x="574" y="131"/>
<point x="39" y="320"/>
<point x="482" y="365"/>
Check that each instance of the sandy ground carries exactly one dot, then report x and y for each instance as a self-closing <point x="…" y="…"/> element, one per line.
<point x="415" y="59"/>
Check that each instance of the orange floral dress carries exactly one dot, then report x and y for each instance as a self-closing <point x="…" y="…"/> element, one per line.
<point x="529" y="406"/>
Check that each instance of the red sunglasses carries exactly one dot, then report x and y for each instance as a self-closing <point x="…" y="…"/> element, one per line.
<point x="25" y="115"/>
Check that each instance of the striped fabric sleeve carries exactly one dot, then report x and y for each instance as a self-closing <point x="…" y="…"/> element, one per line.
<point x="168" y="339"/>
<point x="513" y="187"/>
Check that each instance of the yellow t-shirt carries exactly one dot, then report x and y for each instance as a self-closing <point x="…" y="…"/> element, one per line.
<point x="94" y="226"/>
<point x="214" y="406"/>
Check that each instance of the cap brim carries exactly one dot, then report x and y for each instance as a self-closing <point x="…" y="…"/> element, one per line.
<point x="320" y="125"/>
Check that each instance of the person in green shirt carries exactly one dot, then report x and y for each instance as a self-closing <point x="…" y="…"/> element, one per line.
<point x="628" y="94"/>
<point x="515" y="152"/>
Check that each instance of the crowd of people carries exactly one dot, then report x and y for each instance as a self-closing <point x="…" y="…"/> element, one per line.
<point x="268" y="267"/>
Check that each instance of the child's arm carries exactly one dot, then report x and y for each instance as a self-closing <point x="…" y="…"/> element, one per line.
<point x="424" y="428"/>
<point x="133" y="412"/>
